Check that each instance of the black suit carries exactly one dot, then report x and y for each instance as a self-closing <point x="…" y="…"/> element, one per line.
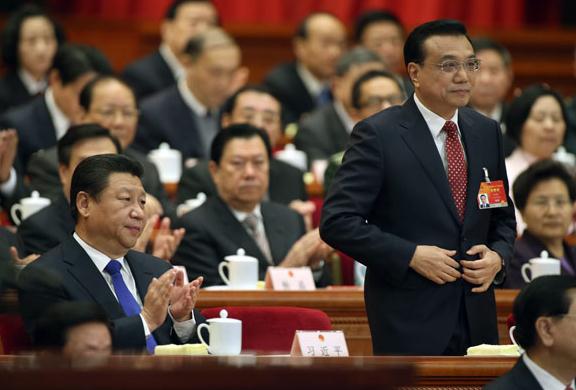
<point x="66" y="273"/>
<point x="34" y="125"/>
<point x="518" y="378"/>
<point x="149" y="75"/>
<point x="321" y="134"/>
<point x="286" y="85"/>
<point x="47" y="228"/>
<point x="13" y="92"/>
<point x="213" y="232"/>
<point x="286" y="183"/>
<point x="390" y="195"/>
<point x="165" y="117"/>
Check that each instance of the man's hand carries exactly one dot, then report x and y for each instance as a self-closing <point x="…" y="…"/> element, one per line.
<point x="435" y="263"/>
<point x="19" y="262"/>
<point x="184" y="297"/>
<point x="157" y="299"/>
<point x="167" y="240"/>
<point x="482" y="271"/>
<point x="305" y="209"/>
<point x="307" y="251"/>
<point x="8" y="148"/>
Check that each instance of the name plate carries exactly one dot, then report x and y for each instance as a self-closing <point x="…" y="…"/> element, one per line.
<point x="326" y="343"/>
<point x="290" y="279"/>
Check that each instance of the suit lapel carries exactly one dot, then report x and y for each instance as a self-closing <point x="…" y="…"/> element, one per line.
<point x="470" y="138"/>
<point x="142" y="275"/>
<point x="337" y="127"/>
<point x="275" y="233"/>
<point x="418" y="139"/>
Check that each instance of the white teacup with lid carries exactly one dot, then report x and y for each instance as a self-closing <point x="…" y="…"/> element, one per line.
<point x="293" y="156"/>
<point x="225" y="335"/>
<point x="539" y="266"/>
<point x="169" y="163"/>
<point x="28" y="206"/>
<point x="242" y="271"/>
<point x="191" y="204"/>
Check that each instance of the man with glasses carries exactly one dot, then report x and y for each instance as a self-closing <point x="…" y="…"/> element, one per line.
<point x="405" y="204"/>
<point x="545" y="314"/>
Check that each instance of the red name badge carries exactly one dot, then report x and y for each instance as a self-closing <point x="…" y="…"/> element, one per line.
<point x="492" y="195"/>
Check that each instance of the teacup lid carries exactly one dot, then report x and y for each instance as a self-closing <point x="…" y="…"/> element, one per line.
<point x="164" y="150"/>
<point x="223" y="317"/>
<point x="544" y="256"/>
<point x="240" y="256"/>
<point x="35" y="198"/>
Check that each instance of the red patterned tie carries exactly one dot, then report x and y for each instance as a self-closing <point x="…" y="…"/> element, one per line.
<point x="457" y="171"/>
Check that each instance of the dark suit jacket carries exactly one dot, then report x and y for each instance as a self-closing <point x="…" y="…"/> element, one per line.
<point x="165" y="117"/>
<point x="213" y="232"/>
<point x="66" y="273"/>
<point x="390" y="195"/>
<point x="43" y="176"/>
<point x="47" y="228"/>
<point x="528" y="247"/>
<point x="286" y="183"/>
<point x="321" y="134"/>
<point x="149" y="75"/>
<point x="518" y="378"/>
<point x="13" y="92"/>
<point x="34" y="125"/>
<point x="287" y="86"/>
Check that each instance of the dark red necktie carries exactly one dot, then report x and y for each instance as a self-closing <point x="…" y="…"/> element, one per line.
<point x="569" y="387"/>
<point x="457" y="170"/>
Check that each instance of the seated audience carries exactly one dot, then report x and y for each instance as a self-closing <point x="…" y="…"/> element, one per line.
<point x="12" y="187"/>
<point x="545" y="314"/>
<point x="326" y="130"/>
<point x="110" y="102"/>
<point x="545" y="194"/>
<point x="256" y="106"/>
<point x="29" y="42"/>
<point x="304" y="84"/>
<point x="184" y="19"/>
<point x="493" y="82"/>
<point x="240" y="218"/>
<point x="77" y="330"/>
<point x="536" y="121"/>
<point x="45" y="119"/>
<point x="146" y="300"/>
<point x="185" y="115"/>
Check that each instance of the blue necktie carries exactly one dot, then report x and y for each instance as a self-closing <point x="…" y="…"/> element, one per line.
<point x="125" y="297"/>
<point x="324" y="97"/>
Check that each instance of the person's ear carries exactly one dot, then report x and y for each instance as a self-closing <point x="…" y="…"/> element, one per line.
<point x="214" y="171"/>
<point x="544" y="327"/>
<point x="83" y="204"/>
<point x="414" y="73"/>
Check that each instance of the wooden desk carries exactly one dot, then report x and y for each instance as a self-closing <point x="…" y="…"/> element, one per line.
<point x="345" y="307"/>
<point x="251" y="372"/>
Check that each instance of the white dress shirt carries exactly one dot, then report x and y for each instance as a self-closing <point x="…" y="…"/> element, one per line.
<point x="173" y="63"/>
<point x="312" y="84"/>
<point x="241" y="215"/>
<point x="546" y="380"/>
<point x="32" y="85"/>
<point x="59" y="119"/>
<point x="344" y="117"/>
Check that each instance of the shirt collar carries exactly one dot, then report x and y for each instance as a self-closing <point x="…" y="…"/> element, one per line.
<point x="190" y="100"/>
<point x="434" y="121"/>
<point x="240" y="215"/>
<point x="173" y="63"/>
<point x="99" y="258"/>
<point x="32" y="85"/>
<point x="344" y="117"/>
<point x="546" y="380"/>
<point x="59" y="119"/>
<point x="312" y="84"/>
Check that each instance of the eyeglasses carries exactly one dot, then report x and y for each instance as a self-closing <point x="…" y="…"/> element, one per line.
<point x="125" y="113"/>
<point x="378" y="101"/>
<point x="452" y="66"/>
<point x="545" y="203"/>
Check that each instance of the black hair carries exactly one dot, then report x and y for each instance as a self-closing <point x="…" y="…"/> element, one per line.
<point x="356" y="56"/>
<point x="520" y="108"/>
<point x="538" y="172"/>
<point x="87" y="93"/>
<point x="98" y="59"/>
<point x="51" y="330"/>
<point x="375" y="16"/>
<point x="372" y="74"/>
<point x="414" y="45"/>
<point x="172" y="9"/>
<point x="302" y="30"/>
<point x="233" y="132"/>
<point x="91" y="175"/>
<point x="79" y="133"/>
<point x="545" y="296"/>
<point x="13" y="27"/>
<point x="196" y="45"/>
<point x="72" y="62"/>
<point x="483" y="43"/>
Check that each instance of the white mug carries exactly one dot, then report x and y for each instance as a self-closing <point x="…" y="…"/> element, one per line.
<point x="225" y="335"/>
<point x="28" y="206"/>
<point x="242" y="271"/>
<point x="540" y="266"/>
<point x="168" y="162"/>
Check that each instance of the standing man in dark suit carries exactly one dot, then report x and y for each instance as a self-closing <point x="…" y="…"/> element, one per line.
<point x="144" y="298"/>
<point x="184" y="19"/>
<point x="304" y="84"/>
<point x="404" y="203"/>
<point x="186" y="115"/>
<point x="545" y="315"/>
<point x="240" y="218"/>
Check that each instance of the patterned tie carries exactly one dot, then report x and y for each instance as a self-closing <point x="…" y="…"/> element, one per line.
<point x="251" y="224"/>
<point x="125" y="297"/>
<point x="457" y="170"/>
